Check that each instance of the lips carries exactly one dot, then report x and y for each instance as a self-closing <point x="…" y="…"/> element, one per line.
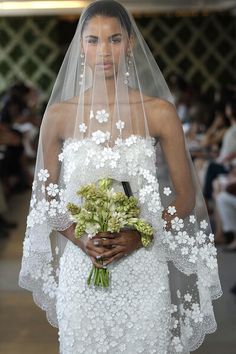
<point x="105" y="65"/>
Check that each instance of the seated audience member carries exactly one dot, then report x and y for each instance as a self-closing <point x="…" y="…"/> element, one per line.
<point x="224" y="193"/>
<point x="227" y="156"/>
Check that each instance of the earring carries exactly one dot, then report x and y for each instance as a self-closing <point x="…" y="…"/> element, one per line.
<point x="128" y="63"/>
<point x="82" y="56"/>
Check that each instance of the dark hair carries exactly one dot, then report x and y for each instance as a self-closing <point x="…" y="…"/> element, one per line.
<point x="107" y="8"/>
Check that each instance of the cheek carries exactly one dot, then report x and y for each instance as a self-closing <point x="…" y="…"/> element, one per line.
<point x="90" y="54"/>
<point x="118" y="53"/>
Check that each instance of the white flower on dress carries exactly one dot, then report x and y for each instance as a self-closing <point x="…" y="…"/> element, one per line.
<point x="34" y="185"/>
<point x="197" y="316"/>
<point x="177" y="344"/>
<point x="192" y="219"/>
<point x="200" y="237"/>
<point x="174" y="323"/>
<point x="193" y="258"/>
<point x="188" y="297"/>
<point x="177" y="223"/>
<point x="182" y="236"/>
<point x="211" y="262"/>
<point x="191" y="241"/>
<point x="171" y="210"/>
<point x="54" y="203"/>
<point x="102" y="116"/>
<point x="43" y="175"/>
<point x="43" y="205"/>
<point x="188" y="330"/>
<point x="211" y="237"/>
<point x="52" y="212"/>
<point x="120" y="125"/>
<point x="173" y="308"/>
<point x="167" y="191"/>
<point x="184" y="250"/>
<point x="203" y="224"/>
<point x="52" y="189"/>
<point x="131" y="140"/>
<point x="83" y="128"/>
<point x="100" y="137"/>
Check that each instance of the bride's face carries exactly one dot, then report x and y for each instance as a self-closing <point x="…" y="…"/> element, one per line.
<point x="104" y="41"/>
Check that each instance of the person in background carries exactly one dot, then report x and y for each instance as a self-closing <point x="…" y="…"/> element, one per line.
<point x="226" y="159"/>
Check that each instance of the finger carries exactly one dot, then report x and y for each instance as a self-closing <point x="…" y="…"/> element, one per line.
<point x="97" y="264"/>
<point x="106" y="242"/>
<point x="91" y="247"/>
<point x="94" y="253"/>
<point x="114" y="258"/>
<point x="111" y="253"/>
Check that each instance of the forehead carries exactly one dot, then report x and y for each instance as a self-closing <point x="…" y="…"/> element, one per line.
<point x="103" y="25"/>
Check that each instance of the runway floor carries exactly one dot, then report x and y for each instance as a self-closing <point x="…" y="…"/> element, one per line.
<point x="25" y="330"/>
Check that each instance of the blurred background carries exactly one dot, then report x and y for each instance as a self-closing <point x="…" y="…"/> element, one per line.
<point x="194" y="43"/>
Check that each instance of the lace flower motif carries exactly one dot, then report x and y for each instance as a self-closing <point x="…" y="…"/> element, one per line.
<point x="100" y="137"/>
<point x="203" y="224"/>
<point x="102" y="116"/>
<point x="167" y="191"/>
<point x="120" y="125"/>
<point x="82" y="128"/>
<point x="192" y="219"/>
<point x="177" y="223"/>
<point x="43" y="175"/>
<point x="52" y="189"/>
<point x="171" y="210"/>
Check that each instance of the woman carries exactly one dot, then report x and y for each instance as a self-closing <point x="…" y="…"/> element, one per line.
<point x="110" y="116"/>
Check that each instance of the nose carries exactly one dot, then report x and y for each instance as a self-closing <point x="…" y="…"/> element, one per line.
<point x="105" y="49"/>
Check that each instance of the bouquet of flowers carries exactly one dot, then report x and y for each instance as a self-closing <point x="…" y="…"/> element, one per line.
<point x="104" y="210"/>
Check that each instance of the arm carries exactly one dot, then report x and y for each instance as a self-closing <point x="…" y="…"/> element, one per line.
<point x="52" y="135"/>
<point x="166" y="125"/>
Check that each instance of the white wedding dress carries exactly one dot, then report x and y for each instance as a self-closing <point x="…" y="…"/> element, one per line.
<point x="150" y="306"/>
<point x="133" y="315"/>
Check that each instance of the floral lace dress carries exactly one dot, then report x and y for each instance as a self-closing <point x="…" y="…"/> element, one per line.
<point x="152" y="305"/>
<point x="133" y="314"/>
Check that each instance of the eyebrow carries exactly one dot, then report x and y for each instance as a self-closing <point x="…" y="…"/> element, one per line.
<point x="113" y="35"/>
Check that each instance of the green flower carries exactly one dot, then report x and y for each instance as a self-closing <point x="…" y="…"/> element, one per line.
<point x="105" y="183"/>
<point x="73" y="209"/>
<point x="80" y="229"/>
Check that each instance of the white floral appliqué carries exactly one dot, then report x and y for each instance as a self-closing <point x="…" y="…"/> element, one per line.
<point x="100" y="137"/>
<point x="82" y="127"/>
<point x="120" y="125"/>
<point x="43" y="175"/>
<point x="167" y="191"/>
<point x="102" y="116"/>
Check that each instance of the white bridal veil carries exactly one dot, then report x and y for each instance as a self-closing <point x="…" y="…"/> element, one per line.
<point x="87" y="109"/>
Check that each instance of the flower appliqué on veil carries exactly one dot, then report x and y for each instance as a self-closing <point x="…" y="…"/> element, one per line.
<point x="102" y="116"/>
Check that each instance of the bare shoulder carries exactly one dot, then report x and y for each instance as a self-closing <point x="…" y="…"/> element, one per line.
<point x="59" y="115"/>
<point x="58" y="110"/>
<point x="162" y="117"/>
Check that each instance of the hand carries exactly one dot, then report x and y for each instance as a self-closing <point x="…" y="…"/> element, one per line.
<point x="94" y="246"/>
<point x="120" y="244"/>
<point x="86" y="244"/>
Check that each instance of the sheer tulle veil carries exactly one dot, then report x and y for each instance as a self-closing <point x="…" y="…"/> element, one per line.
<point x="104" y="101"/>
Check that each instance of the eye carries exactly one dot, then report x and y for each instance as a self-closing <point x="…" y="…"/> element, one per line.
<point x="115" y="40"/>
<point x="92" y="40"/>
